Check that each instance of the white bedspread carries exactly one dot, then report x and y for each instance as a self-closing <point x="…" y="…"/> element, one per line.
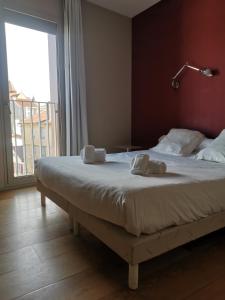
<point x="190" y="190"/>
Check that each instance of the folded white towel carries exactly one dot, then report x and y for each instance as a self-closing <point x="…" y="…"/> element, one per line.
<point x="100" y="155"/>
<point x="87" y="154"/>
<point x="141" y="165"/>
<point x="90" y="155"/>
<point x="156" y="167"/>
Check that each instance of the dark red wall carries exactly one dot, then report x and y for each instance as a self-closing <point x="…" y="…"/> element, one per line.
<point x="164" y="38"/>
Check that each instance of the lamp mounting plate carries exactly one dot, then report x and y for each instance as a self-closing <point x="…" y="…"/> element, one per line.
<point x="175" y="84"/>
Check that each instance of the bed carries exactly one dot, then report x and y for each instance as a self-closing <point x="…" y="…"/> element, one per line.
<point x="137" y="217"/>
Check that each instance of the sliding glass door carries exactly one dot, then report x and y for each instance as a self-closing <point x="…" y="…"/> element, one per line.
<point x="29" y="94"/>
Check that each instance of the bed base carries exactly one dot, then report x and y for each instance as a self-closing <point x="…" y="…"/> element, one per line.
<point x="133" y="250"/>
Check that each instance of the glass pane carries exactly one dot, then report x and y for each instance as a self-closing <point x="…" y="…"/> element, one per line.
<point x="32" y="73"/>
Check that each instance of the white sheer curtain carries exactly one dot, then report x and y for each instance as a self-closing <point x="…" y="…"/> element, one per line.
<point x="74" y="104"/>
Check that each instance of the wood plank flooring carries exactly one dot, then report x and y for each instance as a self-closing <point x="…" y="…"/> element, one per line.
<point x="40" y="259"/>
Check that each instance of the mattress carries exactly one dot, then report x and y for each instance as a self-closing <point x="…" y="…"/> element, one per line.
<point x="189" y="191"/>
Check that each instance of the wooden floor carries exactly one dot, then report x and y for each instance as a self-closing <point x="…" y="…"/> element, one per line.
<point x="41" y="259"/>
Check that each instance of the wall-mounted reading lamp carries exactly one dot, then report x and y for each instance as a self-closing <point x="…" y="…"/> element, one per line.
<point x="205" y="71"/>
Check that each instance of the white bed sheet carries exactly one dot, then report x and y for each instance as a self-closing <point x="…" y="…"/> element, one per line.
<point x="190" y="190"/>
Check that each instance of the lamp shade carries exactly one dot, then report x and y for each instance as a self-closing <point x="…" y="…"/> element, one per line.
<point x="207" y="72"/>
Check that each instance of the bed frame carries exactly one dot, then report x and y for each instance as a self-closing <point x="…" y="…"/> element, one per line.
<point x="133" y="250"/>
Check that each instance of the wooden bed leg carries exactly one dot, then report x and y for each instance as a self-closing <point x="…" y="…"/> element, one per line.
<point x="133" y="277"/>
<point x="76" y="228"/>
<point x="43" y="200"/>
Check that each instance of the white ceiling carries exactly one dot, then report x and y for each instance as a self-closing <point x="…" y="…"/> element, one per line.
<point x="129" y="8"/>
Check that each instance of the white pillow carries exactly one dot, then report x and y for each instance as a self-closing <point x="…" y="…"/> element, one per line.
<point x="205" y="143"/>
<point x="215" y="151"/>
<point x="161" y="138"/>
<point x="180" y="142"/>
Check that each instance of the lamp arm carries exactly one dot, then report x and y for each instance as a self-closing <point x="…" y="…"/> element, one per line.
<point x="193" y="68"/>
<point x="184" y="67"/>
<point x="180" y="71"/>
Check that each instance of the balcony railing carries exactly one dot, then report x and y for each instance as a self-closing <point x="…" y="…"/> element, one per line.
<point x="34" y="129"/>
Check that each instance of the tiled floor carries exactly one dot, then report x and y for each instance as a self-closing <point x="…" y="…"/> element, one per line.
<point x="41" y="259"/>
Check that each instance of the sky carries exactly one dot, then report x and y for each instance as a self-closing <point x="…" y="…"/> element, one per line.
<point x="28" y="62"/>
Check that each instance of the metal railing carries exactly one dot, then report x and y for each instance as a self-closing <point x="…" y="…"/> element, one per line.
<point x="34" y="127"/>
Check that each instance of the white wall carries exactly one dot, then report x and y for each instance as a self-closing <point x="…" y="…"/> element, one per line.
<point x="108" y="60"/>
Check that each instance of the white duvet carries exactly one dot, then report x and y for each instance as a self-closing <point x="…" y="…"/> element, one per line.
<point x="190" y="190"/>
